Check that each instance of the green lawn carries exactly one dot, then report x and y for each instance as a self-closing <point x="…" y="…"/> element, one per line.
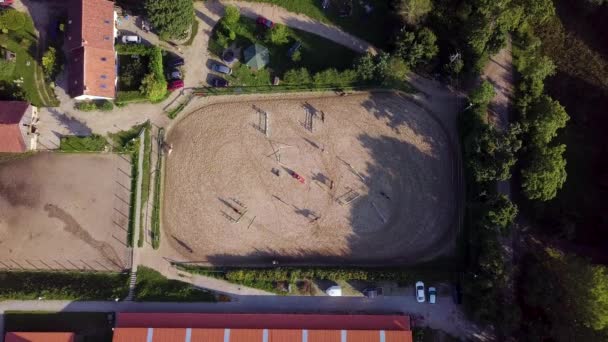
<point x="23" y="43"/>
<point x="152" y="286"/>
<point x="92" y="143"/>
<point x="23" y="285"/>
<point x="317" y="54"/>
<point x="371" y="27"/>
<point x="88" y="326"/>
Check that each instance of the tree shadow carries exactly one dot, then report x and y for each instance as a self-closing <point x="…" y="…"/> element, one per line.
<point x="73" y="125"/>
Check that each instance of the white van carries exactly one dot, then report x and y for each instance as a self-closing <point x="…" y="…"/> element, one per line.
<point x="131" y="39"/>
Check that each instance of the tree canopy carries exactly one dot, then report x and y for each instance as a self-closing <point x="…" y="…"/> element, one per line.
<point x="546" y="117"/>
<point x="416" y="47"/>
<point x="170" y="18"/>
<point x="483" y="94"/>
<point x="413" y="11"/>
<point x="546" y="173"/>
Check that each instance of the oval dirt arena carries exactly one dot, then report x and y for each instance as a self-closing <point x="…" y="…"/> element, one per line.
<point x="361" y="179"/>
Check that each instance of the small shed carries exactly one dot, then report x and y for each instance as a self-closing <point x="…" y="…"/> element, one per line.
<point x="256" y="56"/>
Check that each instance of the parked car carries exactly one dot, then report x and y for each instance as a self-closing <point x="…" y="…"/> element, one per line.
<point x="6" y="2"/>
<point x="221" y="69"/>
<point x="432" y="295"/>
<point x="174" y="75"/>
<point x="175" y="84"/>
<point x="132" y="39"/>
<point x="265" y="22"/>
<point x="420" y="295"/>
<point x="176" y="62"/>
<point x="334" y="291"/>
<point x="295" y="47"/>
<point x="219" y="82"/>
<point x="228" y="56"/>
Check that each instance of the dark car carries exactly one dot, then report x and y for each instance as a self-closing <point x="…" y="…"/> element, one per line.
<point x="265" y="22"/>
<point x="220" y="83"/>
<point x="177" y="61"/>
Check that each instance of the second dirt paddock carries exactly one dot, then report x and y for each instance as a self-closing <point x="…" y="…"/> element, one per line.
<point x="362" y="179"/>
<point x="65" y="212"/>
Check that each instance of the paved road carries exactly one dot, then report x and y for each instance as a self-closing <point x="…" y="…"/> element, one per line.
<point x="435" y="316"/>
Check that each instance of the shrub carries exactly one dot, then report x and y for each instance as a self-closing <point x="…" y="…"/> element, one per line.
<point x="86" y="106"/>
<point x="231" y="16"/>
<point x="49" y="62"/>
<point x="278" y="35"/>
<point x="124" y="97"/>
<point x="297" y="76"/>
<point x="153" y="88"/>
<point x="132" y="49"/>
<point x="296" y="56"/>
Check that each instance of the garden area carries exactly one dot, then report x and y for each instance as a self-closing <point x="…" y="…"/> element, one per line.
<point x="315" y="54"/>
<point x="366" y="19"/>
<point x="21" y="76"/>
<point x="141" y="75"/>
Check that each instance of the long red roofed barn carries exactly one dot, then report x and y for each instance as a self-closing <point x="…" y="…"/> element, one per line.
<point x="188" y="327"/>
<point x="90" y="43"/>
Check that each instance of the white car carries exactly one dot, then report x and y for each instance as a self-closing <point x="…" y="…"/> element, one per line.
<point x="420" y="296"/>
<point x="131" y="39"/>
<point x="432" y="295"/>
<point x="334" y="291"/>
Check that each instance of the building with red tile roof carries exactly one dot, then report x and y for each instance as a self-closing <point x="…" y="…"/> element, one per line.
<point x="91" y="31"/>
<point x="183" y="327"/>
<point x="39" y="337"/>
<point x="17" y="126"/>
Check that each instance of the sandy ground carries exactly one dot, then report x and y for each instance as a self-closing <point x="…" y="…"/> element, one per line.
<point x="64" y="211"/>
<point x="225" y="204"/>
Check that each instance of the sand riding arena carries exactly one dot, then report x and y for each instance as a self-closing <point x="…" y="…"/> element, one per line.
<point x="360" y="179"/>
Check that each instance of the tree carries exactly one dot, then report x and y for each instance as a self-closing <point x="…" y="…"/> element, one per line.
<point x="232" y="15"/>
<point x="154" y="88"/>
<point x="500" y="213"/>
<point x="534" y="69"/>
<point x="546" y="173"/>
<point x="546" y="117"/>
<point x="296" y="56"/>
<point x="278" y="35"/>
<point x="170" y="18"/>
<point x="577" y="309"/>
<point x="416" y="48"/>
<point x="483" y="94"/>
<point x="539" y="11"/>
<point x="397" y="70"/>
<point x="414" y="11"/>
<point x="365" y="66"/>
<point x="10" y="91"/>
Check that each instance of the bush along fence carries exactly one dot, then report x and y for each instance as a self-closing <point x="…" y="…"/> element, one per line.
<point x="158" y="180"/>
<point x="269" y="279"/>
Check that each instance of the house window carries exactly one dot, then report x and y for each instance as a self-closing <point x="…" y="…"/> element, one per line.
<point x="103" y="86"/>
<point x="106" y="21"/>
<point x="104" y="59"/>
<point x="103" y="77"/>
<point x="106" y="37"/>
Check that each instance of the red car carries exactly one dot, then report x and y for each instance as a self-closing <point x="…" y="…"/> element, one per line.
<point x="6" y="2"/>
<point x="265" y="22"/>
<point x="175" y="84"/>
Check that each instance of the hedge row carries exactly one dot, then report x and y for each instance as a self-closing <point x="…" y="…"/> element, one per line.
<point x="124" y="97"/>
<point x="22" y="285"/>
<point x="132" y="49"/>
<point x="89" y="106"/>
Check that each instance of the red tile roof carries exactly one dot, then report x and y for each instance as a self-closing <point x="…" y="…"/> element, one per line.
<point x="169" y="327"/>
<point x="91" y="61"/>
<point x="11" y="113"/>
<point x="267" y="321"/>
<point x="39" y="337"/>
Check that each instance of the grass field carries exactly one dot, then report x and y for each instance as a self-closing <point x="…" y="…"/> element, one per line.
<point x="26" y="69"/>
<point x="368" y="26"/>
<point x="87" y="326"/>
<point x="152" y="286"/>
